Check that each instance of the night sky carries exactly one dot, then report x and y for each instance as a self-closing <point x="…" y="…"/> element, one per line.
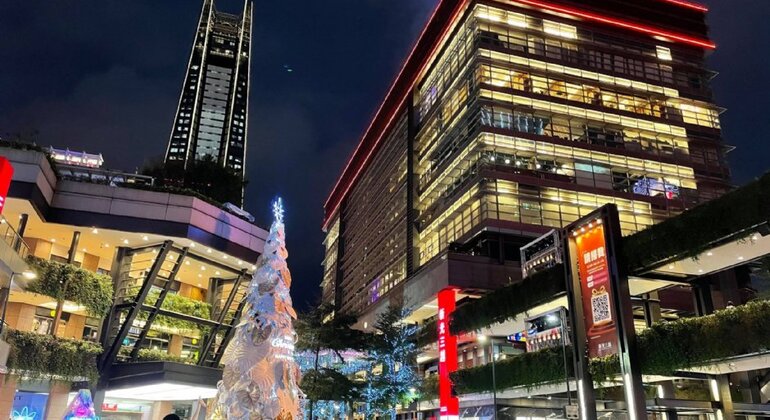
<point x="104" y="77"/>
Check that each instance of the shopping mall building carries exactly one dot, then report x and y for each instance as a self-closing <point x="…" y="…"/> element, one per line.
<point x="152" y="284"/>
<point x="511" y="118"/>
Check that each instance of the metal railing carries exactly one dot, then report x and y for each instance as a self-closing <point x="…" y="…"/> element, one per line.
<point x="12" y="238"/>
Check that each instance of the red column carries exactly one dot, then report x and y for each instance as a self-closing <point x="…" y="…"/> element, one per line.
<point x="447" y="359"/>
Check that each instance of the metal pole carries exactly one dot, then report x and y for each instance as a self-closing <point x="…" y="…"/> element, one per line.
<point x="564" y="353"/>
<point x="494" y="379"/>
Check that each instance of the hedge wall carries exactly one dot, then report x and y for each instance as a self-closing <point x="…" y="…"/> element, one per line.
<point x="44" y="356"/>
<point x="510" y="301"/>
<point x="664" y="348"/>
<point x="94" y="291"/>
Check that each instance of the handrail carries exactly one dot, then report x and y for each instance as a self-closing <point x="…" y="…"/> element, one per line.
<point x="12" y="238"/>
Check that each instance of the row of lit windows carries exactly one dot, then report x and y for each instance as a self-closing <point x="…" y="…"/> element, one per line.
<point x="675" y="110"/>
<point x="504" y="200"/>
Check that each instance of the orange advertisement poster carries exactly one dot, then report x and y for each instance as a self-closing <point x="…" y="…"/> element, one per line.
<point x="596" y="288"/>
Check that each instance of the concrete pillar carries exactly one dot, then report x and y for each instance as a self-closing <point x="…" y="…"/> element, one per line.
<point x="98" y="397"/>
<point x="175" y="345"/>
<point x="58" y="399"/>
<point x="720" y="392"/>
<point x="161" y="409"/>
<point x="666" y="390"/>
<point x="7" y="394"/>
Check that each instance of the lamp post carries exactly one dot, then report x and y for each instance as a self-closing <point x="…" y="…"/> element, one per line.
<point x="563" y="325"/>
<point x="482" y="339"/>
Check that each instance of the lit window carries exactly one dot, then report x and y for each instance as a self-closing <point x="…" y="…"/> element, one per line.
<point x="663" y="53"/>
<point x="559" y="29"/>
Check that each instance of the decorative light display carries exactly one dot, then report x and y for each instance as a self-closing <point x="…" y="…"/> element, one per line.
<point x="82" y="407"/>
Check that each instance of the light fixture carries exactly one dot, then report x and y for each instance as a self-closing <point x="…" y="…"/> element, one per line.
<point x="203" y="268"/>
<point x="209" y="250"/>
<point x="507" y="161"/>
<point x="538" y="166"/>
<point x="95" y="231"/>
<point x="192" y="244"/>
<point x="492" y="158"/>
<point x="709" y="253"/>
<point x="240" y="262"/>
<point x="224" y="257"/>
<point x="481" y="338"/>
<point x="145" y="238"/>
<point x="53" y="240"/>
<point x="125" y="241"/>
<point x="740" y="258"/>
<point x="187" y="263"/>
<point x="200" y="275"/>
<point x="217" y="273"/>
<point x="29" y="275"/>
<point x="85" y="250"/>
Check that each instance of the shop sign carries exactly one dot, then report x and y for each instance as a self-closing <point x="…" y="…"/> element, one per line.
<point x="449" y="405"/>
<point x="596" y="290"/>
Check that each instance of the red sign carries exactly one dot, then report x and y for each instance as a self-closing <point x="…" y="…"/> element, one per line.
<point x="6" y="174"/>
<point x="596" y="288"/>
<point x="449" y="405"/>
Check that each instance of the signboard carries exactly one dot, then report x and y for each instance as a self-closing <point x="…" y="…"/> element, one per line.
<point x="449" y="405"/>
<point x="546" y="331"/>
<point x="572" y="412"/>
<point x="601" y="311"/>
<point x="6" y="174"/>
<point x="596" y="290"/>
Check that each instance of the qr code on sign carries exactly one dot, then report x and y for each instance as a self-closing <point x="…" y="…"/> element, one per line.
<point x="600" y="306"/>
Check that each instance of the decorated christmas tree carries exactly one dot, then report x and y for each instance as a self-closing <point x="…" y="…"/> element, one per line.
<point x="260" y="379"/>
<point x="82" y="407"/>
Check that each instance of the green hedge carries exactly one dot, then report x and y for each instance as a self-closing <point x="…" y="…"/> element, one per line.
<point x="44" y="356"/>
<point x="663" y="349"/>
<point x="686" y="235"/>
<point x="152" y="355"/>
<point x="179" y="304"/>
<point x="94" y="291"/>
<point x="510" y="301"/>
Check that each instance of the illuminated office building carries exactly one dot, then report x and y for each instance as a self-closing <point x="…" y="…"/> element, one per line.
<point x="511" y="118"/>
<point x="212" y="117"/>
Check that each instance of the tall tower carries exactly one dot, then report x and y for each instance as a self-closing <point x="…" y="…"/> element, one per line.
<point x="212" y="117"/>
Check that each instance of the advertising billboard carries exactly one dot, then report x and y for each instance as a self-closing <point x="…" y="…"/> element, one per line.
<point x="449" y="405"/>
<point x="6" y="174"/>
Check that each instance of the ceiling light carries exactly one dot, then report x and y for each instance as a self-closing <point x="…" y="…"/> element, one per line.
<point x="95" y="231"/>
<point x="200" y="275"/>
<point x="125" y="241"/>
<point x="145" y="238"/>
<point x="187" y="263"/>
<point x="240" y="262"/>
<point x="671" y="267"/>
<point x="224" y="256"/>
<point x="199" y="285"/>
<point x="709" y="253"/>
<point x="507" y="161"/>
<point x="53" y="240"/>
<point x="740" y="258"/>
<point x="192" y="244"/>
<point x="253" y="267"/>
<point x="84" y="250"/>
<point x="29" y="275"/>
<point x="217" y="273"/>
<point x="209" y="250"/>
<point x="203" y="268"/>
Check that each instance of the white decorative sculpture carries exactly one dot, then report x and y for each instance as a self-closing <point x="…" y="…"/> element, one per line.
<point x="261" y="378"/>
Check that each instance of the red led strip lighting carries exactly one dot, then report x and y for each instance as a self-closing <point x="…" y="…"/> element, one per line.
<point x="337" y="197"/>
<point x="622" y="23"/>
<point x="688" y="4"/>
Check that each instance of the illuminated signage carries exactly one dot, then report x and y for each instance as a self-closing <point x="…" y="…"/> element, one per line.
<point x="652" y="187"/>
<point x="449" y="405"/>
<point x="6" y="174"/>
<point x="596" y="290"/>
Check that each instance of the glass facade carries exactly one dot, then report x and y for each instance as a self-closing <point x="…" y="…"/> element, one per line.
<point x="213" y="107"/>
<point x="523" y="121"/>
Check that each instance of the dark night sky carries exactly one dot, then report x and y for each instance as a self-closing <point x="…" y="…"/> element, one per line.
<point x="104" y="76"/>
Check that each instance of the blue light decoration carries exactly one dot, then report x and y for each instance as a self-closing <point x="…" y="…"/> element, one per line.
<point x="24" y="414"/>
<point x="82" y="407"/>
<point x="278" y="210"/>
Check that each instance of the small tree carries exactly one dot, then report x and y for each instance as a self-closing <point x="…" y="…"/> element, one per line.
<point x="321" y="329"/>
<point x="391" y="374"/>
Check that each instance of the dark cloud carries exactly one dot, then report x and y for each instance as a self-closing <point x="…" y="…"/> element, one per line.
<point x="105" y="77"/>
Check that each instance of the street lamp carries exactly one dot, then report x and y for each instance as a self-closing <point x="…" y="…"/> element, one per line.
<point x="483" y="339"/>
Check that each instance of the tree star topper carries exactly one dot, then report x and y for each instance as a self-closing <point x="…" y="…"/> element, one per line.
<point x="278" y="210"/>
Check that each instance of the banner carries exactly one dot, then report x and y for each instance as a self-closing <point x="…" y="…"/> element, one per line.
<point x="596" y="290"/>
<point x="449" y="405"/>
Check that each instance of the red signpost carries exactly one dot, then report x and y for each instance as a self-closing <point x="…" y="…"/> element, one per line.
<point x="447" y="359"/>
